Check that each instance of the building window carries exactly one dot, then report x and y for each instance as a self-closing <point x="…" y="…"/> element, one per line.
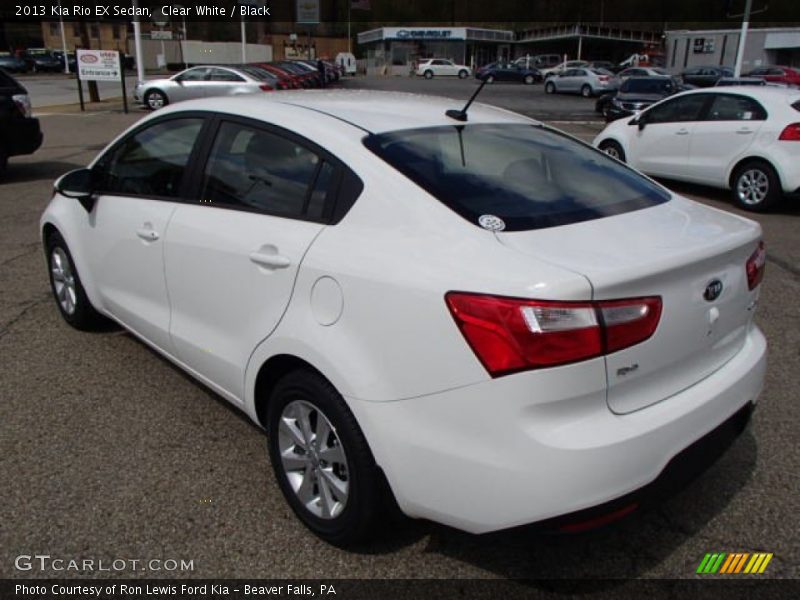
<point x="94" y="31"/>
<point x="76" y="30"/>
<point x="116" y="29"/>
<point x="53" y="28"/>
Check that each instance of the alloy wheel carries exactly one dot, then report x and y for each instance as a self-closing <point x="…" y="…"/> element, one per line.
<point x="752" y="187"/>
<point x="313" y="459"/>
<point x="63" y="281"/>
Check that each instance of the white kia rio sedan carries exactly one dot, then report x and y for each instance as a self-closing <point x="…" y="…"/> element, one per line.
<point x="745" y="139"/>
<point x="485" y="321"/>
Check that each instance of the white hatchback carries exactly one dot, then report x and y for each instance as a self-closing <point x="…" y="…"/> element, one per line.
<point x="746" y="139"/>
<point x="485" y="321"/>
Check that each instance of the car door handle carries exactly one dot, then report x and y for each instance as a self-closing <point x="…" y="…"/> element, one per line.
<point x="682" y="132"/>
<point x="269" y="258"/>
<point x="744" y="131"/>
<point x="147" y="234"/>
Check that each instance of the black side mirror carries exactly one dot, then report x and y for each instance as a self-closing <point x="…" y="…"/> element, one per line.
<point x="641" y="121"/>
<point x="78" y="185"/>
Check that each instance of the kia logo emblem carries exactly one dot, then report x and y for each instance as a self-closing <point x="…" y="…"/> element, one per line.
<point x="89" y="58"/>
<point x="713" y="290"/>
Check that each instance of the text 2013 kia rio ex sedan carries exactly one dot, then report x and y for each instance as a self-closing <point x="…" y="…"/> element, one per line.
<point x="485" y="320"/>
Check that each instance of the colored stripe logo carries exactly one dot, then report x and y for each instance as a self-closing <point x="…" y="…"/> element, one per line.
<point x="734" y="563"/>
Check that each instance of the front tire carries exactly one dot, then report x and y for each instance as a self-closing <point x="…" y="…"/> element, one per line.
<point x="68" y="291"/>
<point x="490" y="79"/>
<point x="613" y="149"/>
<point x="321" y="459"/>
<point x="155" y="99"/>
<point x="428" y="74"/>
<point x="528" y="80"/>
<point x="756" y="187"/>
<point x="550" y="87"/>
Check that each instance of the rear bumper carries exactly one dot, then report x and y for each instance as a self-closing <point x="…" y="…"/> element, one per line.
<point x="23" y="136"/>
<point x="495" y="455"/>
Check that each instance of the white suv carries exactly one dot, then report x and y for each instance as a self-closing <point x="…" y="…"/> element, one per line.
<point x="441" y="66"/>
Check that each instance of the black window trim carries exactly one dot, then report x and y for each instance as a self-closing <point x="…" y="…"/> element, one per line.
<point x="708" y="98"/>
<point x="336" y="206"/>
<point x="186" y="182"/>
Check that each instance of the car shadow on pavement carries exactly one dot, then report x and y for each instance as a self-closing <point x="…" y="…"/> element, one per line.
<point x="609" y="556"/>
<point x="22" y="172"/>
<point x="789" y="206"/>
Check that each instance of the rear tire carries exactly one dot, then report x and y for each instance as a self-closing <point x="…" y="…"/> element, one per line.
<point x="68" y="291"/>
<point x="428" y="74"/>
<point x="755" y="186"/>
<point x="490" y="79"/>
<point x="586" y="91"/>
<point x="528" y="80"/>
<point x="613" y="149"/>
<point x="155" y="99"/>
<point x="550" y="87"/>
<point x="462" y="74"/>
<point x="332" y="484"/>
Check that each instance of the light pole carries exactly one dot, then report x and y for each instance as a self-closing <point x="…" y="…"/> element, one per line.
<point x="737" y="70"/>
<point x="183" y="35"/>
<point x="63" y="39"/>
<point x="137" y="44"/>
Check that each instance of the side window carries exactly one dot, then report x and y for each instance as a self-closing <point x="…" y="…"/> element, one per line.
<point x="223" y="75"/>
<point x="151" y="162"/>
<point x="687" y="108"/>
<point x="193" y="75"/>
<point x="319" y="195"/>
<point x="727" y="107"/>
<point x="252" y="168"/>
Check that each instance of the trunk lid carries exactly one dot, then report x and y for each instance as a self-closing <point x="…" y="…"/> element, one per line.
<point x="676" y="251"/>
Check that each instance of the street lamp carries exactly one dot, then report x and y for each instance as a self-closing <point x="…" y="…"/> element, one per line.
<point x="183" y="36"/>
<point x="63" y="39"/>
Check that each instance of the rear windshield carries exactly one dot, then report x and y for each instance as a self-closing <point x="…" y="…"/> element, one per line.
<point x="525" y="175"/>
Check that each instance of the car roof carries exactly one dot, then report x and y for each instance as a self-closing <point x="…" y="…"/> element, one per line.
<point x="765" y="94"/>
<point x="368" y="110"/>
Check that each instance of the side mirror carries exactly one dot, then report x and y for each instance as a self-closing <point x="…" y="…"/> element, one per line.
<point x="78" y="185"/>
<point x="641" y="121"/>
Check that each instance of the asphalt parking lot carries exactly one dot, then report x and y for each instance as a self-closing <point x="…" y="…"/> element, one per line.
<point x="108" y="451"/>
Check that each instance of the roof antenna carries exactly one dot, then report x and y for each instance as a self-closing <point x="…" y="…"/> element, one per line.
<point x="461" y="115"/>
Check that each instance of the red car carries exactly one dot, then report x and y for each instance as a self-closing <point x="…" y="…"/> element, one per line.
<point x="777" y="74"/>
<point x="288" y="80"/>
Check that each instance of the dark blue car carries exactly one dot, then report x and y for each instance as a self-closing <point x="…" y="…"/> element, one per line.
<point x="507" y="71"/>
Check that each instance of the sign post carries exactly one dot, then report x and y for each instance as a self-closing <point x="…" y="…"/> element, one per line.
<point x="100" y="65"/>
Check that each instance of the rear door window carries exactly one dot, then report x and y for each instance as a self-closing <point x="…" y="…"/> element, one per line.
<point x="680" y="110"/>
<point x="728" y="107"/>
<point x="527" y="176"/>
<point x="255" y="169"/>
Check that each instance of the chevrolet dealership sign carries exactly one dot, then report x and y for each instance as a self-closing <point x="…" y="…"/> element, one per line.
<point x="425" y="33"/>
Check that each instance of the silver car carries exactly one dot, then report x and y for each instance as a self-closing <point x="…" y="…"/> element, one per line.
<point x="199" y="82"/>
<point x="584" y="81"/>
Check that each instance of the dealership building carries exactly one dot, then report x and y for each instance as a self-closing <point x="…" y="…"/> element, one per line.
<point x="718" y="47"/>
<point x="394" y="50"/>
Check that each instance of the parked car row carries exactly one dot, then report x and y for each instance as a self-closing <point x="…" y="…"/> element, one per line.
<point x="233" y="80"/>
<point x="585" y="81"/>
<point x="507" y="71"/>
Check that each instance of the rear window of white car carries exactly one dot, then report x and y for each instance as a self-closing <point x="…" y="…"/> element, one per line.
<point x="527" y="176"/>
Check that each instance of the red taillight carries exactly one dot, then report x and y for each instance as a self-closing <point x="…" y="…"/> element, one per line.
<point x="266" y="88"/>
<point x="755" y="266"/>
<point x="791" y="133"/>
<point x="603" y="78"/>
<point x="510" y="334"/>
